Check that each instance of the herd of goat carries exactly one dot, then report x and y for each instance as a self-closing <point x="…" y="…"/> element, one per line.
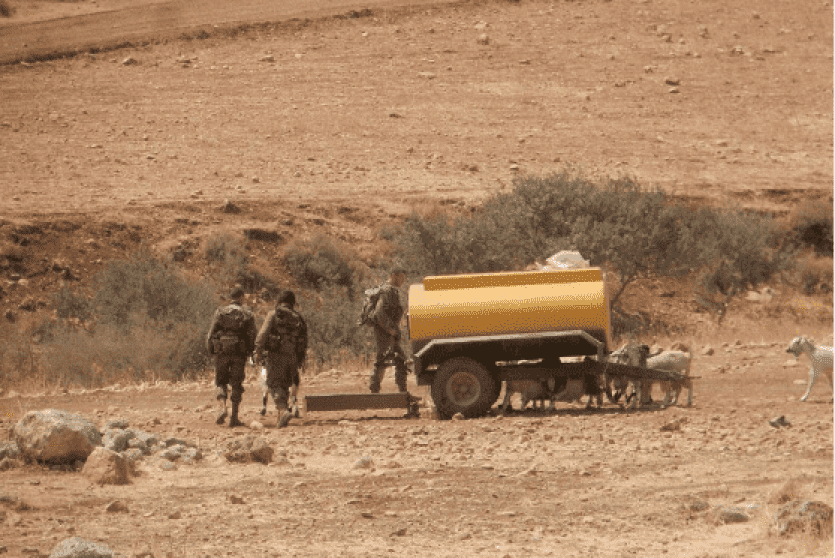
<point x="676" y="361"/>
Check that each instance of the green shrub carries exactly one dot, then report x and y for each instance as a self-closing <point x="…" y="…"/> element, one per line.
<point x="320" y="262"/>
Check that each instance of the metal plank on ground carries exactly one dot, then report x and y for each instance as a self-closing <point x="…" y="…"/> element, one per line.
<point x="347" y="401"/>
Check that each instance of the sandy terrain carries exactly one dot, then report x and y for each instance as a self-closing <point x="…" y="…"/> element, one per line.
<point x="572" y="483"/>
<point x="339" y="125"/>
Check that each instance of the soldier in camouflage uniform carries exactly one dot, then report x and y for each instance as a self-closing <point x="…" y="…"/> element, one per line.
<point x="283" y="337"/>
<point x="231" y="340"/>
<point x="386" y="319"/>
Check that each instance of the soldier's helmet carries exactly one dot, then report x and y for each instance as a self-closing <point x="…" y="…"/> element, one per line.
<point x="286" y="297"/>
<point x="237" y="293"/>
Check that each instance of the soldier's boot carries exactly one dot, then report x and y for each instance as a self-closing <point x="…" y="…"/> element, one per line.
<point x="221" y="417"/>
<point x="233" y="420"/>
<point x="284" y="415"/>
<point x="400" y="380"/>
<point x="294" y="401"/>
<point x="376" y="380"/>
<point x="264" y="404"/>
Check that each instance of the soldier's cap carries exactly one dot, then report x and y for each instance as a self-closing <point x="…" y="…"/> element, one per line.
<point x="398" y="269"/>
<point x="286" y="297"/>
<point x="236" y="293"/>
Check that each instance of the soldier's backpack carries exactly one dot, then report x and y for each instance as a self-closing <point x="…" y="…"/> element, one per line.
<point x="372" y="295"/>
<point x="231" y="326"/>
<point x="284" y="331"/>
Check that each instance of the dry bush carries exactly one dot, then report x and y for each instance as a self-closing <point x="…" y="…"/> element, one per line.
<point x="144" y="315"/>
<point x="811" y="225"/>
<point x="6" y="10"/>
<point x="790" y="490"/>
<point x="19" y="355"/>
<point x="109" y="354"/>
<point x="15" y="503"/>
<point x="814" y="528"/>
<point x="226" y="253"/>
<point x="320" y="262"/>
<point x="333" y="332"/>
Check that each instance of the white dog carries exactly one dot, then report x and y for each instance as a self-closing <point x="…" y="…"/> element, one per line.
<point x="820" y="356"/>
<point x="262" y="380"/>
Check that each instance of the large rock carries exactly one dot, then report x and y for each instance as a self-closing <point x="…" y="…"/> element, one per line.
<point x="77" y="547"/>
<point x="56" y="436"/>
<point x="247" y="450"/>
<point x="106" y="467"/>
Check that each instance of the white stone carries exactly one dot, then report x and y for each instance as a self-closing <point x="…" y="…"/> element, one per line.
<point x="56" y="436"/>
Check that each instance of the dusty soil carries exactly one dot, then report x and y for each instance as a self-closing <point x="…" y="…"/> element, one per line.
<point x="570" y="483"/>
<point x="341" y="125"/>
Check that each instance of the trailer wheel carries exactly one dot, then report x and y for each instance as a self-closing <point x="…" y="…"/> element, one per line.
<point x="462" y="385"/>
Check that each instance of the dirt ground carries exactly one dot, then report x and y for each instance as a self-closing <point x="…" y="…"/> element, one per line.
<point x="341" y="125"/>
<point x="568" y="483"/>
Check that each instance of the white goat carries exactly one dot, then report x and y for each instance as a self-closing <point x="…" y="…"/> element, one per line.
<point x="529" y="390"/>
<point x="567" y="390"/>
<point x="679" y="363"/>
<point x="576" y="388"/>
<point x="668" y="361"/>
<point x="820" y="356"/>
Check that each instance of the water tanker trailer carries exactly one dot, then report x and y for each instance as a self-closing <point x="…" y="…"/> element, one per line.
<point x="471" y="332"/>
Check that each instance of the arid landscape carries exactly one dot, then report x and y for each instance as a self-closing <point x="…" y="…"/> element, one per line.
<point x="337" y="119"/>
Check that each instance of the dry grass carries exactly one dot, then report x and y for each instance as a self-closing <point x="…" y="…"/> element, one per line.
<point x="810" y="537"/>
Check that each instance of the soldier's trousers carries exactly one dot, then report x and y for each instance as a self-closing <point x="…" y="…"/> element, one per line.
<point x="282" y="372"/>
<point x="230" y="370"/>
<point x="389" y="351"/>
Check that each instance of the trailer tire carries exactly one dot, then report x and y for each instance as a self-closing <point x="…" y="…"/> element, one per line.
<point x="462" y="385"/>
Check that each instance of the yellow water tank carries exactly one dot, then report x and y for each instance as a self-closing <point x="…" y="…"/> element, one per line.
<point x="508" y="303"/>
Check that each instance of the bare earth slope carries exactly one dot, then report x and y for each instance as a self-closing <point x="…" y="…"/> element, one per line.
<point x="702" y="99"/>
<point x="64" y="27"/>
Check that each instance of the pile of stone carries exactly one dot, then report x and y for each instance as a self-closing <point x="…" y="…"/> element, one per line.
<point x="249" y="449"/>
<point x="56" y="437"/>
<point x="135" y="445"/>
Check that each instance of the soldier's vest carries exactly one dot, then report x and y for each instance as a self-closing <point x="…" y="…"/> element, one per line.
<point x="395" y="306"/>
<point x="231" y="329"/>
<point x="284" y="333"/>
